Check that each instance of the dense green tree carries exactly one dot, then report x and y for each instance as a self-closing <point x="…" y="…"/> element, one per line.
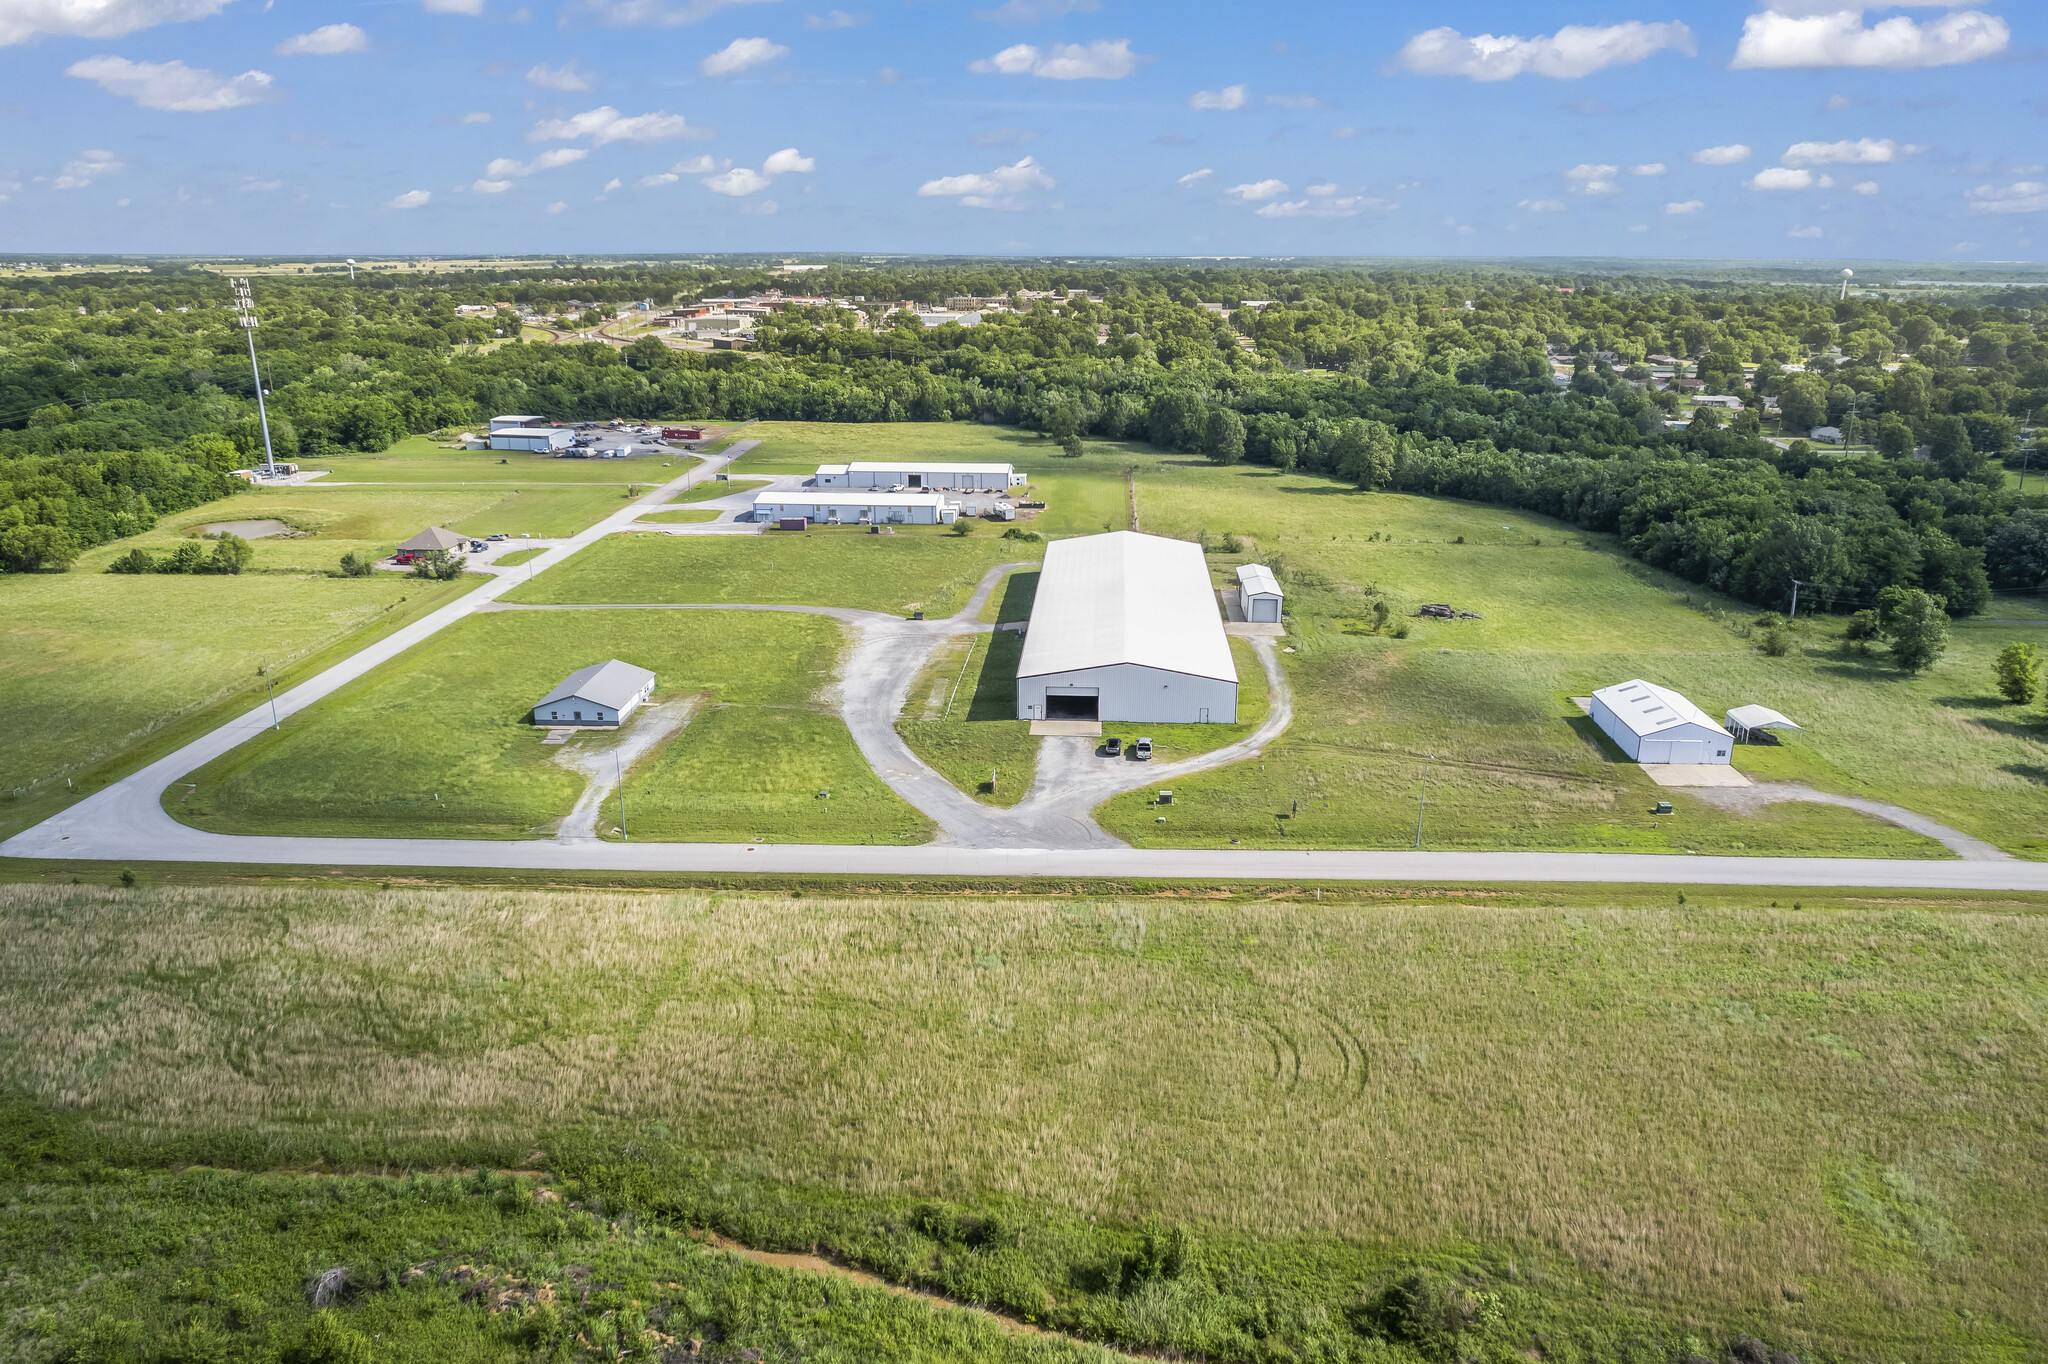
<point x="1916" y="624"/>
<point x="2017" y="670"/>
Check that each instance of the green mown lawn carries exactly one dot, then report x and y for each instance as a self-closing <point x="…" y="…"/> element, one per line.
<point x="961" y="717"/>
<point x="918" y="568"/>
<point x="439" y="743"/>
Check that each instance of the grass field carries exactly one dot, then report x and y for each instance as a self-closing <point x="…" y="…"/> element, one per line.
<point x="711" y="489"/>
<point x="919" y="568"/>
<point x="1515" y="764"/>
<point x="99" y="664"/>
<point x="439" y="742"/>
<point x="961" y="717"/>
<point x="1604" y="1129"/>
<point x="428" y="460"/>
<point x="686" y="515"/>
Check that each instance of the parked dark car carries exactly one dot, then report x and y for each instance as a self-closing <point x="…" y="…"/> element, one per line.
<point x="1112" y="747"/>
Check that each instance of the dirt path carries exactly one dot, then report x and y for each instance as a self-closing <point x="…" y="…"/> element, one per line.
<point x="1749" y="799"/>
<point x="604" y="766"/>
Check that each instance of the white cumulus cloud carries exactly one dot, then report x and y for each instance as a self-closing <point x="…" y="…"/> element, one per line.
<point x="1104" y="59"/>
<point x="1783" y="177"/>
<point x="1193" y="178"/>
<point x="88" y="166"/>
<point x="22" y="20"/>
<point x="1649" y="168"/>
<point x="506" y="168"/>
<point x="1727" y="155"/>
<point x="1573" y="51"/>
<point x="788" y="161"/>
<point x="329" y="40"/>
<point x="1591" y="179"/>
<point x="737" y="182"/>
<point x="1835" y="35"/>
<point x="741" y="54"/>
<point x="1230" y="97"/>
<point x="2025" y="196"/>
<point x="558" y="206"/>
<point x="1294" y="102"/>
<point x="474" y="116"/>
<point x="1005" y="187"/>
<point x="565" y="77"/>
<point x="833" y="19"/>
<point x="1255" y="191"/>
<point x="1804" y="233"/>
<point x="1325" y="205"/>
<point x="412" y="198"/>
<point x="604" y="125"/>
<point x="1684" y="208"/>
<point x="491" y="186"/>
<point x="1865" y="187"/>
<point x="172" y="85"/>
<point x="1864" y="151"/>
<point x="472" y="8"/>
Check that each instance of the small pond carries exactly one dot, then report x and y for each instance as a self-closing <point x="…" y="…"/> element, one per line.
<point x="248" y="530"/>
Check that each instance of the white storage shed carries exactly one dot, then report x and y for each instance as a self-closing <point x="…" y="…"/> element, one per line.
<point x="1258" y="593"/>
<point x="602" y="694"/>
<point x="1654" y="724"/>
<point x="1125" y="627"/>
<point x="970" y="477"/>
<point x="832" y="508"/>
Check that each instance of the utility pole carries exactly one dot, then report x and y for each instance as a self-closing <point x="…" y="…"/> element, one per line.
<point x="245" y="313"/>
<point x="1796" y="585"/>
<point x="268" y="690"/>
<point x="1423" y="804"/>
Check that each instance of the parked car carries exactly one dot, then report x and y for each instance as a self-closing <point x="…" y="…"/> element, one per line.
<point x="499" y="536"/>
<point x="1142" y="750"/>
<point x="1112" y="747"/>
<point x="476" y="546"/>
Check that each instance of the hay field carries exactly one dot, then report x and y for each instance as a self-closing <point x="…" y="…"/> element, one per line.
<point x="1821" y="1125"/>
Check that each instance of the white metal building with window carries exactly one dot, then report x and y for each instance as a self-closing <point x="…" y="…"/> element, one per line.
<point x="1125" y="627"/>
<point x="856" y="508"/>
<point x="1654" y="724"/>
<point x="971" y="477"/>
<point x="601" y="694"/>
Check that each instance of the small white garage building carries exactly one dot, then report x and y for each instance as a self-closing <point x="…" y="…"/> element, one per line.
<point x="1654" y="724"/>
<point x="1258" y="592"/>
<point x="1125" y="627"/>
<point x="970" y="477"/>
<point x="828" y="508"/>
<point x="601" y="694"/>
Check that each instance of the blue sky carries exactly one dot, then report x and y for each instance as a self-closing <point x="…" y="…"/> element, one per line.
<point x="1800" y="128"/>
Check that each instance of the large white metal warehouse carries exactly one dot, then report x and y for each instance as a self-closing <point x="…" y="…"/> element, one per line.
<point x="1125" y="627"/>
<point x="972" y="477"/>
<point x="855" y="508"/>
<point x="1654" y="724"/>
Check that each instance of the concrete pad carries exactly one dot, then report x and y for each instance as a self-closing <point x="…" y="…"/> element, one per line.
<point x="1694" y="774"/>
<point x="1255" y="629"/>
<point x="1074" y="729"/>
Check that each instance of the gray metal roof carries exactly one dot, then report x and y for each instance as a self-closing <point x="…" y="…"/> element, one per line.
<point x="1125" y="598"/>
<point x="611" y="683"/>
<point x="1648" y="709"/>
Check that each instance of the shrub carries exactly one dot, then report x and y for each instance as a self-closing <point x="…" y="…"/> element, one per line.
<point x="439" y="565"/>
<point x="2018" y="670"/>
<point x="354" y="565"/>
<point x="134" y="561"/>
<point x="329" y="1340"/>
<point x="1777" y="641"/>
<point x="1019" y="533"/>
<point x="962" y="527"/>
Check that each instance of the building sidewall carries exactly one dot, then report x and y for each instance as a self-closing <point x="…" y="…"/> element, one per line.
<point x="1133" y="694"/>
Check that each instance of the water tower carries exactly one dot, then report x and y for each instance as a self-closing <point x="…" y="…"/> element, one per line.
<point x="1847" y="275"/>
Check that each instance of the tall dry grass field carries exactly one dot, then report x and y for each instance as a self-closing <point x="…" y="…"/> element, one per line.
<point x="1792" y="1116"/>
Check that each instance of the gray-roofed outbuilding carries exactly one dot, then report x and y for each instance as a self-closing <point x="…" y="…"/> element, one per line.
<point x="601" y="694"/>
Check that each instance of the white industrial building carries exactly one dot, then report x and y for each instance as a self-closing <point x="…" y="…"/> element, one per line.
<point x="1125" y="627"/>
<point x="1654" y="724"/>
<point x="1258" y="593"/>
<point x="970" y="477"/>
<point x="601" y="694"/>
<point x="858" y="507"/>
<point x="529" y="433"/>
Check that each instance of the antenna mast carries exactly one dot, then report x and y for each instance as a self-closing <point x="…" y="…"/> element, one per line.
<point x="245" y="313"/>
